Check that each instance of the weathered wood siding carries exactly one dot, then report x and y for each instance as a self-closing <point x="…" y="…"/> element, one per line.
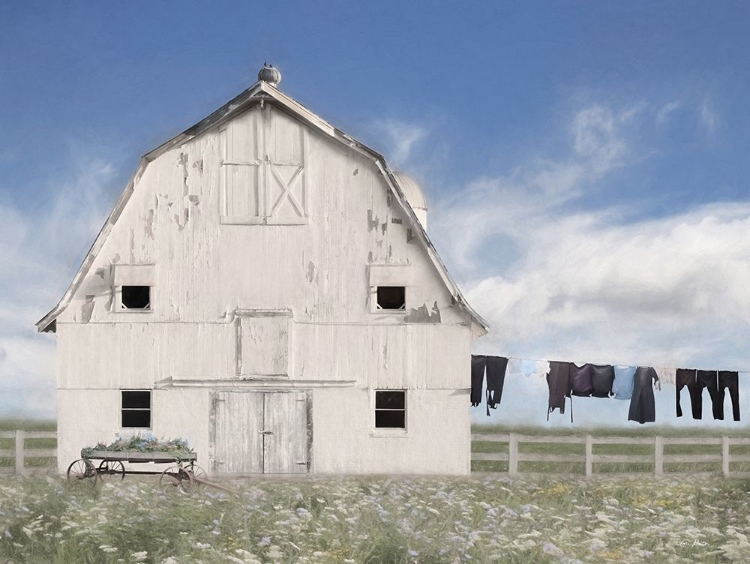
<point x="205" y="269"/>
<point x="236" y="439"/>
<point x="306" y="242"/>
<point x="437" y="439"/>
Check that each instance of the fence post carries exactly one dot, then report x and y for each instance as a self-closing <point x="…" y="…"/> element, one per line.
<point x="725" y="456"/>
<point x="512" y="454"/>
<point x="19" y="452"/>
<point x="658" y="456"/>
<point x="589" y="455"/>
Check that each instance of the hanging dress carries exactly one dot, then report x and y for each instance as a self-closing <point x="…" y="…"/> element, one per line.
<point x="560" y="383"/>
<point x="642" y="404"/>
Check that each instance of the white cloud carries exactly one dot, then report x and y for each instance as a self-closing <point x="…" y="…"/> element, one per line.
<point x="598" y="286"/>
<point x="42" y="250"/>
<point x="663" y="114"/>
<point x="709" y="119"/>
<point x="400" y="139"/>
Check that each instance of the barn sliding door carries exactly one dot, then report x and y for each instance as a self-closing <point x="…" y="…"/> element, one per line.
<point x="259" y="432"/>
<point x="285" y="438"/>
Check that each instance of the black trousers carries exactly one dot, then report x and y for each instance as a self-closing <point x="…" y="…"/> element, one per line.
<point x="477" y="378"/>
<point x="496" y="367"/>
<point x="687" y="377"/>
<point x="708" y="379"/>
<point x="729" y="381"/>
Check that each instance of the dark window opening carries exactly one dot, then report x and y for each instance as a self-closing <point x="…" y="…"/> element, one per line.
<point x="391" y="297"/>
<point x="390" y="409"/>
<point x="136" y="408"/>
<point x="136" y="297"/>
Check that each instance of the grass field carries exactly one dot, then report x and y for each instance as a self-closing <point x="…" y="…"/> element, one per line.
<point x="378" y="520"/>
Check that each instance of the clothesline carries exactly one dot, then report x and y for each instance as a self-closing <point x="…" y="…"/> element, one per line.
<point x="566" y="379"/>
<point x="660" y="365"/>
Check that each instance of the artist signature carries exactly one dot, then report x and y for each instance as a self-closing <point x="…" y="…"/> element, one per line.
<point x="695" y="542"/>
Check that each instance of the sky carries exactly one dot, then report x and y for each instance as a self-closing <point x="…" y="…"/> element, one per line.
<point x="586" y="164"/>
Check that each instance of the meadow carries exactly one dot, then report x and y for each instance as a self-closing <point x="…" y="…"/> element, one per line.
<point x="376" y="519"/>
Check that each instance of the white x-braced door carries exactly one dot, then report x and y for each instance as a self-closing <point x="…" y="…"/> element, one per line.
<point x="259" y="432"/>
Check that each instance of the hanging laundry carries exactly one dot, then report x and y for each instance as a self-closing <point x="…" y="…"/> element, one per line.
<point x="496" y="366"/>
<point x="729" y="381"/>
<point x="582" y="384"/>
<point x="667" y="375"/>
<point x="515" y="366"/>
<point x="528" y="367"/>
<point x="687" y="377"/>
<point x="542" y="367"/>
<point x="642" y="404"/>
<point x="602" y="378"/>
<point x="559" y="381"/>
<point x="708" y="379"/>
<point x="622" y="387"/>
<point x="477" y="378"/>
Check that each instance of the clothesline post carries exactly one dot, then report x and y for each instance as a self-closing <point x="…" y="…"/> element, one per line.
<point x="658" y="456"/>
<point x="512" y="454"/>
<point x="589" y="455"/>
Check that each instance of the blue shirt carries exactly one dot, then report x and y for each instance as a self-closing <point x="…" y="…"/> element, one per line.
<point x="622" y="388"/>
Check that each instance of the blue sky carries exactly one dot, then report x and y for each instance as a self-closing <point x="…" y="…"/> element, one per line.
<point x="586" y="164"/>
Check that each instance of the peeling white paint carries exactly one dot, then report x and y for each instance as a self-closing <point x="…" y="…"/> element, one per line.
<point x="286" y="300"/>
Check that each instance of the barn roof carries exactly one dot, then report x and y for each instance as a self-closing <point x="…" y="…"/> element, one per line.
<point x="264" y="92"/>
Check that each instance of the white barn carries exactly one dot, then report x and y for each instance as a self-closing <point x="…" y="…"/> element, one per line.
<point x="265" y="289"/>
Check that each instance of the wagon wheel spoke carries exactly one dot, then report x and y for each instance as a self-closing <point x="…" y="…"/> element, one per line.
<point x="176" y="479"/>
<point x="82" y="472"/>
<point x="111" y="470"/>
<point x="199" y="475"/>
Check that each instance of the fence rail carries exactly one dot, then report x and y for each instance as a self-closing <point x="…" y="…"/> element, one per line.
<point x="20" y="453"/>
<point x="589" y="459"/>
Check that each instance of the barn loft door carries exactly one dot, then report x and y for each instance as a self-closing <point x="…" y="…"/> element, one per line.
<point x="263" y="171"/>
<point x="259" y="432"/>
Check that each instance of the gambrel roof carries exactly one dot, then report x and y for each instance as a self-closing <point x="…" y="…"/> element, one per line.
<point x="260" y="93"/>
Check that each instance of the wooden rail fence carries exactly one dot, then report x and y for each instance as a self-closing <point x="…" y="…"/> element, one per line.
<point x="588" y="458"/>
<point x="20" y="452"/>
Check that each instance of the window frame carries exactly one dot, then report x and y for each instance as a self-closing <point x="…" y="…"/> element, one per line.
<point x="376" y="307"/>
<point x="122" y="309"/>
<point x="389" y="431"/>
<point x="150" y="408"/>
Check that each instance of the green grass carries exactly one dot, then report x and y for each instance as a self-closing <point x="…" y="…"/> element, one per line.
<point x="377" y="520"/>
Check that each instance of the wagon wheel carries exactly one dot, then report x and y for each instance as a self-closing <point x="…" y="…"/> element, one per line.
<point x="82" y="470"/>
<point x="111" y="470"/>
<point x="199" y="475"/>
<point x="176" y="479"/>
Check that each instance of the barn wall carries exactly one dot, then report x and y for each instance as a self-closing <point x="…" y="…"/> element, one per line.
<point x="212" y="277"/>
<point x="86" y="417"/>
<point x="126" y="355"/>
<point x="205" y="269"/>
<point x="437" y="439"/>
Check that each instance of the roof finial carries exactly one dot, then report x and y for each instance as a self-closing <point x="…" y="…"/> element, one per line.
<point x="269" y="74"/>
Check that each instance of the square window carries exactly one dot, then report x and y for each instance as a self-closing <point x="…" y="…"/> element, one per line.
<point x="136" y="297"/>
<point x="392" y="297"/>
<point x="390" y="409"/>
<point x="136" y="408"/>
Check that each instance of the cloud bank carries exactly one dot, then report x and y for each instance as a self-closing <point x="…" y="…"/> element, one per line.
<point x="559" y="279"/>
<point x="43" y="248"/>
